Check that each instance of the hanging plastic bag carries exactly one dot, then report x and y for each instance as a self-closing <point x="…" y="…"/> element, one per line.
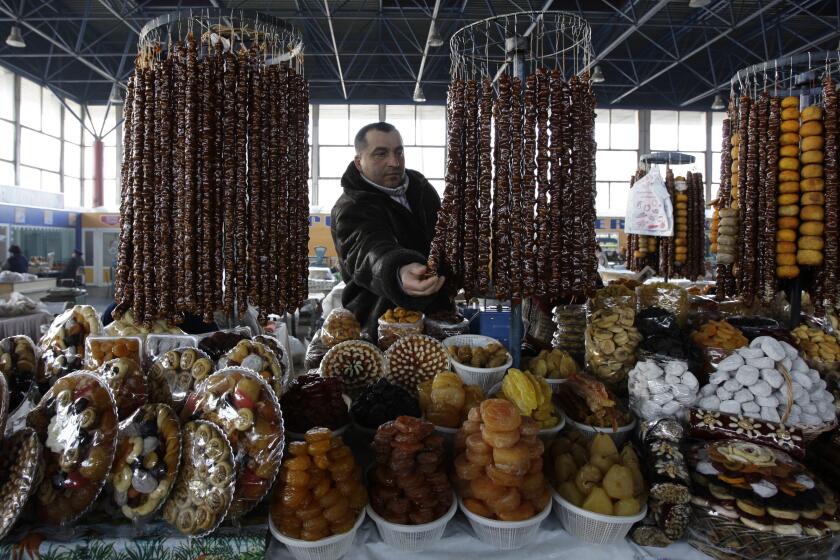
<point x="649" y="208"/>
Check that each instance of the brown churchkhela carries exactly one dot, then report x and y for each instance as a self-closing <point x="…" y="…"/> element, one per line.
<point x="539" y="237"/>
<point x="212" y="187"/>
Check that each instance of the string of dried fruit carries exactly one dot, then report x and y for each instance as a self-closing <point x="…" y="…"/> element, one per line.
<point x="452" y="242"/>
<point x="564" y="228"/>
<point x="302" y="194"/>
<point x="289" y="186"/>
<point x="294" y="185"/>
<point x="811" y="241"/>
<point x="255" y="202"/>
<point x="554" y="235"/>
<point x="280" y="139"/>
<point x="832" y="181"/>
<point x="697" y="253"/>
<point x="721" y="269"/>
<point x="208" y="192"/>
<point x="579" y="157"/>
<point x="743" y="195"/>
<point x="124" y="289"/>
<point x="471" y="190"/>
<point x="529" y="184"/>
<point x="516" y="191"/>
<point x="241" y="220"/>
<point x="148" y="197"/>
<point x="762" y="242"/>
<point x="485" y="186"/>
<point x="217" y="241"/>
<point x="590" y="260"/>
<point x="542" y="248"/>
<point x="750" y="204"/>
<point x="202" y="286"/>
<point x="164" y="214"/>
<point x="437" y="251"/>
<point x="190" y="162"/>
<point x="268" y="298"/>
<point x="770" y="227"/>
<point x="501" y="208"/>
<point x="788" y="190"/>
<point x="666" y="246"/>
<point x="179" y="97"/>
<point x="229" y="162"/>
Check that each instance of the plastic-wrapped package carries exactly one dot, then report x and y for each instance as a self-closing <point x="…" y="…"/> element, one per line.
<point x="820" y="348"/>
<point x="244" y="406"/>
<point x="611" y="342"/>
<point x="611" y="297"/>
<point x="100" y="349"/>
<point x="356" y="363"/>
<point x="259" y="358"/>
<point x="315" y="468"/>
<point x="719" y="334"/>
<point x="443" y="325"/>
<point x="205" y="486"/>
<point x="396" y="324"/>
<point x="711" y="424"/>
<point x="181" y="370"/>
<point x="127" y="382"/>
<point x="147" y="460"/>
<point x="656" y="321"/>
<point x="126" y="326"/>
<point x="63" y="347"/>
<point x="316" y="351"/>
<point x="21" y="467"/>
<point x="339" y="326"/>
<point x="156" y="345"/>
<point x="753" y="501"/>
<point x="665" y="296"/>
<point x="77" y="420"/>
<point x="571" y="324"/>
<point x="218" y="343"/>
<point x="280" y="352"/>
<point x="660" y="387"/>
<point x="312" y="401"/>
<point x="18" y="364"/>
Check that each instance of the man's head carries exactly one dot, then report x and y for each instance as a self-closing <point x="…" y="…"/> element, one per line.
<point x="15" y="250"/>
<point x="77" y="252"/>
<point x="379" y="154"/>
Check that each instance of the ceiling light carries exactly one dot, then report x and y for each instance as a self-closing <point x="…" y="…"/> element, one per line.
<point x="435" y="40"/>
<point x="699" y="3"/>
<point x="718" y="104"/>
<point x="419" y="96"/>
<point x="597" y="75"/>
<point x="116" y="97"/>
<point x="15" y="39"/>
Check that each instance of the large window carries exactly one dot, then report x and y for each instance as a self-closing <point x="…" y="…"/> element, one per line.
<point x="683" y="131"/>
<point x="40" y="137"/>
<point x="423" y="130"/>
<point x="617" y="137"/>
<point x="7" y="127"/>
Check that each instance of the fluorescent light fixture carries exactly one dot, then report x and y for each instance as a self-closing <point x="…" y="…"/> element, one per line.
<point x="419" y="96"/>
<point x="597" y="75"/>
<point x="15" y="38"/>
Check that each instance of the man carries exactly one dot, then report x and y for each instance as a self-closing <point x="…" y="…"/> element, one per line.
<point x="71" y="269"/>
<point x="16" y="262"/>
<point x="382" y="227"/>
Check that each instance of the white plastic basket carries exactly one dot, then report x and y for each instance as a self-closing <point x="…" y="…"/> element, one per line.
<point x="297" y="436"/>
<point x="483" y="377"/>
<point x="555" y="384"/>
<point x="505" y="535"/>
<point x="412" y="538"/>
<point x="593" y="527"/>
<point x="619" y="436"/>
<point x="331" y="548"/>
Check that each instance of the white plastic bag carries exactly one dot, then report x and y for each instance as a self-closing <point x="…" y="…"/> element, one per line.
<point x="649" y="208"/>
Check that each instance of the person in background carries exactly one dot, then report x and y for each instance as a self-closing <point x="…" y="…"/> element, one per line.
<point x="71" y="269"/>
<point x="382" y="227"/>
<point x="16" y="262"/>
<point x="602" y="257"/>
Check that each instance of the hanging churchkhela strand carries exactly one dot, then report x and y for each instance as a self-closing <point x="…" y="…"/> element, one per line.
<point x="214" y="183"/>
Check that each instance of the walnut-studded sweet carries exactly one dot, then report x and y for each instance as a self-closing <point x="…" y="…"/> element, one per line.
<point x="414" y="359"/>
<point x="357" y="363"/>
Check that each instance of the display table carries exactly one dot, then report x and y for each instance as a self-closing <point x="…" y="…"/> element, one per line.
<point x="459" y="542"/>
<point x="30" y="325"/>
<point x="37" y="287"/>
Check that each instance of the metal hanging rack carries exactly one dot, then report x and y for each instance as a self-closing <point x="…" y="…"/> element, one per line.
<point x="517" y="44"/>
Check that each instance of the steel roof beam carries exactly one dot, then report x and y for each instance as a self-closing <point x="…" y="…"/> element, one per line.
<point x="697" y="50"/>
<point x="624" y="35"/>
<point x="335" y="48"/>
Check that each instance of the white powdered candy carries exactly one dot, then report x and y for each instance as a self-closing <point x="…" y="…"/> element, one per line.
<point x="770" y="346"/>
<point x="750" y="407"/>
<point x="770" y="401"/>
<point x="650" y="409"/>
<point x="681" y="391"/>
<point x="799" y="365"/>
<point x="723" y="394"/>
<point x="718" y="377"/>
<point x="662" y="398"/>
<point x="654" y="372"/>
<point x="672" y="379"/>
<point x="708" y="390"/>
<point x="671" y="408"/>
<point x="810" y="408"/>
<point x="769" y="414"/>
<point x="691" y="380"/>
<point x="710" y="403"/>
<point x="743" y="396"/>
<point x="761" y="389"/>
<point x="675" y="368"/>
<point x="773" y="378"/>
<point x="730" y="363"/>
<point x="810" y="419"/>
<point x="747" y="375"/>
<point x="732" y="385"/>
<point x="803" y="379"/>
<point x="791" y="352"/>
<point x="751" y="353"/>
<point x="656" y="386"/>
<point x="761" y="363"/>
<point x="730" y="407"/>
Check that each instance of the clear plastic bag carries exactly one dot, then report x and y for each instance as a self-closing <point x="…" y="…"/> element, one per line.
<point x="244" y="406"/>
<point x="612" y="296"/>
<point x="128" y="382"/>
<point x="611" y="343"/>
<point x="443" y="327"/>
<point x="665" y="296"/>
<point x="181" y="370"/>
<point x="257" y="357"/>
<point x="18" y="364"/>
<point x="394" y="326"/>
<point x="205" y="486"/>
<point x="216" y="344"/>
<point x="100" y="349"/>
<point x="571" y="324"/>
<point x="661" y="387"/>
<point x="157" y="345"/>
<point x="147" y="461"/>
<point x="21" y="467"/>
<point x="339" y="326"/>
<point x="77" y="420"/>
<point x="63" y="347"/>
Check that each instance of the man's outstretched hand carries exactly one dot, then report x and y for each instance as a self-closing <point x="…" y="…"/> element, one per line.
<point x="417" y="283"/>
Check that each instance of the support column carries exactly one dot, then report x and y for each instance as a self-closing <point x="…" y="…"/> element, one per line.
<point x="98" y="164"/>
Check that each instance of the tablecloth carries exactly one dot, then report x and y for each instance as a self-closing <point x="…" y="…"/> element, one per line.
<point x="30" y="325"/>
<point x="459" y="543"/>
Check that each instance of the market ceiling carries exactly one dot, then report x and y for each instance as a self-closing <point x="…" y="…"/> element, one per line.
<point x="654" y="53"/>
